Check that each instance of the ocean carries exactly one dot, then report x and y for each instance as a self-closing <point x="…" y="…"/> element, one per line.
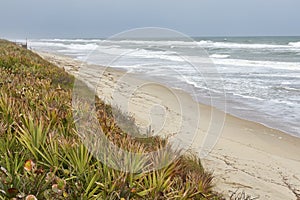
<point x="254" y="78"/>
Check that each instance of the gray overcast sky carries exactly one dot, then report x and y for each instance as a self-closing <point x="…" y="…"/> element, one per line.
<point x="103" y="18"/>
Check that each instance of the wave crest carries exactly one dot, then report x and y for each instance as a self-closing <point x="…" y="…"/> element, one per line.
<point x="294" y="44"/>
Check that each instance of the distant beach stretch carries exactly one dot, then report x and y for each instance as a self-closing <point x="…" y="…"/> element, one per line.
<point x="248" y="157"/>
<point x="259" y="75"/>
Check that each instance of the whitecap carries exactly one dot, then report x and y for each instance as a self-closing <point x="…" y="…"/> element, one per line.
<point x="294" y="44"/>
<point x="219" y="56"/>
<point x="254" y="63"/>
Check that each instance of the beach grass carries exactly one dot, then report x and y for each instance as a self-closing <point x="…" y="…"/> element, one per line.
<point x="43" y="157"/>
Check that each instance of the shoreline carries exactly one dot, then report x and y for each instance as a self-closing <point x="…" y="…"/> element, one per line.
<point x="226" y="111"/>
<point x="261" y="98"/>
<point x="78" y="62"/>
<point x="248" y="156"/>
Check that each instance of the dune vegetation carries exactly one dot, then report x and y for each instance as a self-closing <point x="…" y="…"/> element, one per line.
<point x="42" y="156"/>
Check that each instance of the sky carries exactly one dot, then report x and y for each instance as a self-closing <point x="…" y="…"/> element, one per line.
<point x="104" y="18"/>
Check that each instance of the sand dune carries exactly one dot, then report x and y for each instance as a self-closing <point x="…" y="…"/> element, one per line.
<point x="247" y="156"/>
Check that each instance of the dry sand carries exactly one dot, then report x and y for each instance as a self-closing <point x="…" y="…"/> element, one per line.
<point x="248" y="156"/>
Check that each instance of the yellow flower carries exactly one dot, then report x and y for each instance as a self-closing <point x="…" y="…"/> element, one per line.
<point x="29" y="164"/>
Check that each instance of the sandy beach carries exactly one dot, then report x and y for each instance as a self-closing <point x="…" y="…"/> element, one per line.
<point x="247" y="157"/>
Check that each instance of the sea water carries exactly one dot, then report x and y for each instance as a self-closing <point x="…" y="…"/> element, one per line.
<point x="258" y="77"/>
